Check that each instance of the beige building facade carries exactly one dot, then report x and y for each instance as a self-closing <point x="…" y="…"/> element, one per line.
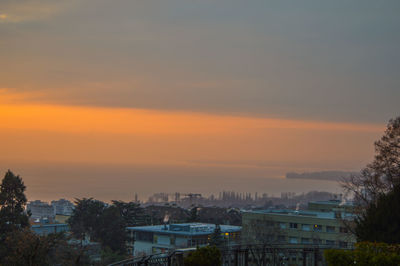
<point x="323" y="224"/>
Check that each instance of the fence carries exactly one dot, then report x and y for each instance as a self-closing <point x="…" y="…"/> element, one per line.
<point x="242" y="256"/>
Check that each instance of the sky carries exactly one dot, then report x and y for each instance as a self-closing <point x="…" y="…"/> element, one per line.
<point x="108" y="98"/>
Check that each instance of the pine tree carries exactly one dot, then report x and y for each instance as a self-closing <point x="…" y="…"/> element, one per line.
<point x="12" y="204"/>
<point x="85" y="218"/>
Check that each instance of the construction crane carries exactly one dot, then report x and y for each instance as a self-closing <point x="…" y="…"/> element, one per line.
<point x="192" y="196"/>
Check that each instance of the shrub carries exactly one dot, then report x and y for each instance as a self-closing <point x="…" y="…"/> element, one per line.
<point x="205" y="256"/>
<point x="365" y="253"/>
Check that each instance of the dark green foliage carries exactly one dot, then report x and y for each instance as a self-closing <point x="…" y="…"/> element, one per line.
<point x="27" y="248"/>
<point x="381" y="221"/>
<point x="111" y="232"/>
<point x="205" y="256"/>
<point x="24" y="248"/>
<point x="105" y="224"/>
<point x="85" y="219"/>
<point x="18" y="244"/>
<point x="217" y="239"/>
<point x="365" y="254"/>
<point x="133" y="214"/>
<point x="339" y="257"/>
<point x="218" y="215"/>
<point x="194" y="216"/>
<point x="12" y="216"/>
<point x="108" y="256"/>
<point x="12" y="204"/>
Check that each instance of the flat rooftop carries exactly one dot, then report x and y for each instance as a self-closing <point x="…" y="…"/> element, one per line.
<point x="186" y="229"/>
<point x="48" y="225"/>
<point x="302" y="213"/>
<point x="333" y="202"/>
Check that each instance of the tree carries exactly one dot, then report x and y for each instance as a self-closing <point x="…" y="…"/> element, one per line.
<point x="216" y="238"/>
<point x="259" y="234"/>
<point x="383" y="173"/>
<point x="377" y="179"/>
<point x="111" y="231"/>
<point x="108" y="256"/>
<point x="85" y="218"/>
<point x="27" y="248"/>
<point x="103" y="223"/>
<point x="21" y="246"/>
<point x="381" y="220"/>
<point x="133" y="214"/>
<point x="12" y="204"/>
<point x="365" y="254"/>
<point x="205" y="256"/>
<point x="194" y="216"/>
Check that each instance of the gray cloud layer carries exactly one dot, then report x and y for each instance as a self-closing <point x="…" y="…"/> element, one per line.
<point x="307" y="59"/>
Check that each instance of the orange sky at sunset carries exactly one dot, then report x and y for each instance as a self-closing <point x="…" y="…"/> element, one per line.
<point x="102" y="98"/>
<point x="35" y="131"/>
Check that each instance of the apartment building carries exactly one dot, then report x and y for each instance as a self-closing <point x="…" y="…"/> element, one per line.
<point x="322" y="224"/>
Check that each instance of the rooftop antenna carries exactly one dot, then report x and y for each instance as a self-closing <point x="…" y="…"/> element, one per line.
<point x="166" y="220"/>
<point x="297" y="208"/>
<point x="343" y="201"/>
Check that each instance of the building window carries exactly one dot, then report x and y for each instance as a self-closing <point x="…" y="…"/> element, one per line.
<point x="269" y="237"/>
<point x="342" y="244"/>
<point x="281" y="239"/>
<point x="305" y="240"/>
<point x="293" y="225"/>
<point x="293" y="240"/>
<point x="343" y="230"/>
<point x="282" y="225"/>
<point x="330" y="242"/>
<point x="144" y="236"/>
<point x="293" y="256"/>
<point x="317" y="228"/>
<point x="305" y="227"/>
<point x="269" y="223"/>
<point x="317" y="241"/>
<point x="330" y="229"/>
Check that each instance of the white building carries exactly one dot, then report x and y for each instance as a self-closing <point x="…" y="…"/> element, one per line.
<point x="164" y="238"/>
<point x="62" y="207"/>
<point x="40" y="209"/>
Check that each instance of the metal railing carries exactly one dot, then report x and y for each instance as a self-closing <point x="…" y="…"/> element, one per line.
<point x="242" y="255"/>
<point x="170" y="259"/>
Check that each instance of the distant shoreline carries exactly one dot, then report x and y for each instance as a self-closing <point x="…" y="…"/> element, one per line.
<point x="322" y="175"/>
